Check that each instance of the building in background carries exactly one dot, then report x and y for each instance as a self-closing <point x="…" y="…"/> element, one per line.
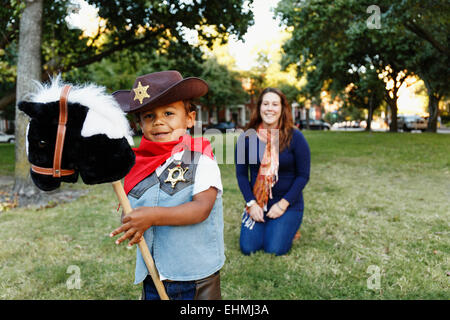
<point x="6" y="126"/>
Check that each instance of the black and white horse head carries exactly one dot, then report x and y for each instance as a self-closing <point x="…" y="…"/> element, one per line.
<point x="97" y="138"/>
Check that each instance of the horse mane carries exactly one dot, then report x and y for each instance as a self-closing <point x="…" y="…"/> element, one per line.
<point x="104" y="115"/>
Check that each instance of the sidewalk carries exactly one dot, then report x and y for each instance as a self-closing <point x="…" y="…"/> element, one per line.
<point x="439" y="130"/>
<point x="443" y="130"/>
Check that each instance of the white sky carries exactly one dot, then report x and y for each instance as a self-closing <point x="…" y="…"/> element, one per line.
<point x="265" y="28"/>
<point x="85" y="18"/>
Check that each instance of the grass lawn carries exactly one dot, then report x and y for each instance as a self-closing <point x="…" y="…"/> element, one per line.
<point x="7" y="159"/>
<point x="376" y="203"/>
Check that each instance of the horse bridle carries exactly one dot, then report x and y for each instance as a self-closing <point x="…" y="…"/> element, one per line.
<point x="56" y="171"/>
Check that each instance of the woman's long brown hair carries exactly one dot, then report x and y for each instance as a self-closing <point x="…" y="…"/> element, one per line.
<point x="285" y="124"/>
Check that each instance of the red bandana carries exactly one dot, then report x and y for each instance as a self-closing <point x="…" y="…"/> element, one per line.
<point x="150" y="155"/>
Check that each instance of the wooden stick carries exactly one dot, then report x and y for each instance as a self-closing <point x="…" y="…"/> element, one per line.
<point x="125" y="203"/>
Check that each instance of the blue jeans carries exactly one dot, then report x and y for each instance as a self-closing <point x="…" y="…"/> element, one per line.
<point x="273" y="235"/>
<point x="203" y="289"/>
<point x="176" y="290"/>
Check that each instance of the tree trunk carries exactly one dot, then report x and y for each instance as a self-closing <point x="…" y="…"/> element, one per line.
<point x="393" y="126"/>
<point x="28" y="69"/>
<point x="393" y="107"/>
<point x="398" y="79"/>
<point x="307" y="119"/>
<point x="433" y="105"/>
<point x="370" y="115"/>
<point x="433" y="110"/>
<point x="392" y="102"/>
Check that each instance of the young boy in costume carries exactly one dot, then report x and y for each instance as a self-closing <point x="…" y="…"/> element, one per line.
<point x="175" y="190"/>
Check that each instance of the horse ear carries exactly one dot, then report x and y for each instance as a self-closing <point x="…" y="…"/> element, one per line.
<point x="32" y="109"/>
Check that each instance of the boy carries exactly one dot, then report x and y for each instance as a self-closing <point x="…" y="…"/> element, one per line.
<point x="175" y="189"/>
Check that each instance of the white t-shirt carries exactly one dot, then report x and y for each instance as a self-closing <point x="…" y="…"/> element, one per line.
<point x="206" y="176"/>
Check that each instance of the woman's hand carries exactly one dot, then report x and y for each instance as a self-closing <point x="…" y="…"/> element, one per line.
<point x="256" y="213"/>
<point x="134" y="225"/>
<point x="278" y="209"/>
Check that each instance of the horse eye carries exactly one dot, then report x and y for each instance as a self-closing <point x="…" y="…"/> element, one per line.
<point x="42" y="144"/>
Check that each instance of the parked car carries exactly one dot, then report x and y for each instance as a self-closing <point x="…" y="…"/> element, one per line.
<point x="9" y="138"/>
<point x="414" y="122"/>
<point x="313" y="124"/>
<point x="356" y="124"/>
<point x="222" y="126"/>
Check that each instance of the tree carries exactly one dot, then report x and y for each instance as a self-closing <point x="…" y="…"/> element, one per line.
<point x="269" y="59"/>
<point x="433" y="70"/>
<point x="28" y="69"/>
<point x="225" y="88"/>
<point x="428" y="23"/>
<point x="427" y="20"/>
<point x="419" y="45"/>
<point x="119" y="70"/>
<point x="365" y="92"/>
<point x="9" y="32"/>
<point x="330" y="40"/>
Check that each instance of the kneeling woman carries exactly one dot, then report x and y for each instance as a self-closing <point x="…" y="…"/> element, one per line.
<point x="278" y="157"/>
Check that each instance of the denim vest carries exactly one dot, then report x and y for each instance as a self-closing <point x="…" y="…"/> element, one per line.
<point x="181" y="253"/>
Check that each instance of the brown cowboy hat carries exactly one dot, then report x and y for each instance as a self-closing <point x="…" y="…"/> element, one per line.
<point x="159" y="89"/>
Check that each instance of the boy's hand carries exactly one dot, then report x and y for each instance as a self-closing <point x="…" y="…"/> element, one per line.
<point x="140" y="219"/>
<point x="134" y="225"/>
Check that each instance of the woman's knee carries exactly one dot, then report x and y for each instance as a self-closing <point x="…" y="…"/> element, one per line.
<point x="247" y="248"/>
<point x="246" y="251"/>
<point x="278" y="248"/>
<point x="251" y="239"/>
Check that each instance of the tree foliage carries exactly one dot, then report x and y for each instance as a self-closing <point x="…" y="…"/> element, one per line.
<point x="338" y="41"/>
<point x="225" y="87"/>
<point x="121" y="69"/>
